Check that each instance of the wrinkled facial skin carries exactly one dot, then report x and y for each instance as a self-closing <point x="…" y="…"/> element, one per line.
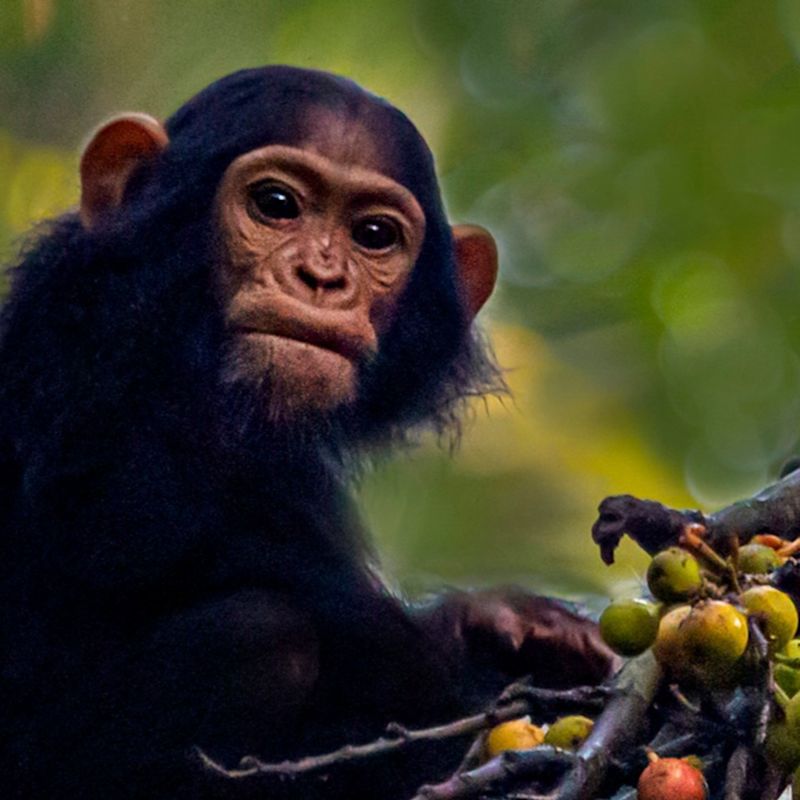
<point x="316" y="251"/>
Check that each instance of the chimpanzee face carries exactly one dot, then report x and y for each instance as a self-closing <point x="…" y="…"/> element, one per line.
<point x="317" y="246"/>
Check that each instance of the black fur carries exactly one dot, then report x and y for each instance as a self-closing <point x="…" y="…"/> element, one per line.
<point x="153" y="523"/>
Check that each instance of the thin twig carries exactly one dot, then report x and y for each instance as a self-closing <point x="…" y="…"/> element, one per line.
<point x="626" y="793"/>
<point x="677" y="747"/>
<point x="517" y="700"/>
<point x="474" y="755"/>
<point x="527" y="794"/>
<point x="399" y="737"/>
<point x="767" y="684"/>
<point x="683" y="700"/>
<point x="542" y="701"/>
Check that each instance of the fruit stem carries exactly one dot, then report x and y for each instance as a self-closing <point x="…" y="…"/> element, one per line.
<point x="781" y="698"/>
<point x="790" y="661"/>
<point x="652" y="756"/>
<point x="734" y="557"/>
<point x="691" y="540"/>
<point x="788" y="550"/>
<point x="769" y="540"/>
<point x="733" y="574"/>
<point x="691" y="537"/>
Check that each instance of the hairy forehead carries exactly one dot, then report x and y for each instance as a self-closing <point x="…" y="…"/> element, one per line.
<point x="346" y="139"/>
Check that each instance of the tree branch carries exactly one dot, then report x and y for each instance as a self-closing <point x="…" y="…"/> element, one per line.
<point x="545" y="762"/>
<point x="616" y="729"/>
<point x="517" y="700"/>
<point x="561" y="775"/>
<point x="775" y="509"/>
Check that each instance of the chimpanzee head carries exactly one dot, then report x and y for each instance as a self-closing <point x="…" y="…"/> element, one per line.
<point x="286" y="252"/>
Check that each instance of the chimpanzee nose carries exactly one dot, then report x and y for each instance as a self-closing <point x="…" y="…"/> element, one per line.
<point x="319" y="283"/>
<point x="322" y="277"/>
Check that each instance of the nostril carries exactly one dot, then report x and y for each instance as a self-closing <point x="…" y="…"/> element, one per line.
<point x="337" y="283"/>
<point x="307" y="278"/>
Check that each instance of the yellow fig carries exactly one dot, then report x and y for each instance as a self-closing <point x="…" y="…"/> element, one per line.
<point x="516" y="734"/>
<point x="776" y="611"/>
<point x="629" y="627"/>
<point x="674" y="575"/>
<point x="569" y="733"/>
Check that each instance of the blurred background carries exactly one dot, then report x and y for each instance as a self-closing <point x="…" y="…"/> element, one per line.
<point x="639" y="164"/>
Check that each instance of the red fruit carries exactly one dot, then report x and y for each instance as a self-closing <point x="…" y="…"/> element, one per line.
<point x="671" y="779"/>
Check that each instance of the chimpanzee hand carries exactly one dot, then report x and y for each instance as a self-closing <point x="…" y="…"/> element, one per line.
<point x="518" y="633"/>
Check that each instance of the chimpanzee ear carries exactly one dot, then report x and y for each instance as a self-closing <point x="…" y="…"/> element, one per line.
<point x="114" y="151"/>
<point x="476" y="265"/>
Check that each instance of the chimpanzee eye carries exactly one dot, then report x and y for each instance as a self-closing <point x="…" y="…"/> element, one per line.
<point x="273" y="201"/>
<point x="376" y="233"/>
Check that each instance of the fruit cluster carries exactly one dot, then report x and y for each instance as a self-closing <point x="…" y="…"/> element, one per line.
<point x="699" y="621"/>
<point x="699" y="631"/>
<point x="716" y="625"/>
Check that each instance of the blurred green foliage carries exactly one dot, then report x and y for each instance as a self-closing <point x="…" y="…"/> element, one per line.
<point x="639" y="165"/>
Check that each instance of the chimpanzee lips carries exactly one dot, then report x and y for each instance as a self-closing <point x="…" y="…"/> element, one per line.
<point x="340" y="331"/>
<point x="341" y="348"/>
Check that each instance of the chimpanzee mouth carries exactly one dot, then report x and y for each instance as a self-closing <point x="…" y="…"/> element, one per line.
<point x="351" y="349"/>
<point x="340" y="331"/>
